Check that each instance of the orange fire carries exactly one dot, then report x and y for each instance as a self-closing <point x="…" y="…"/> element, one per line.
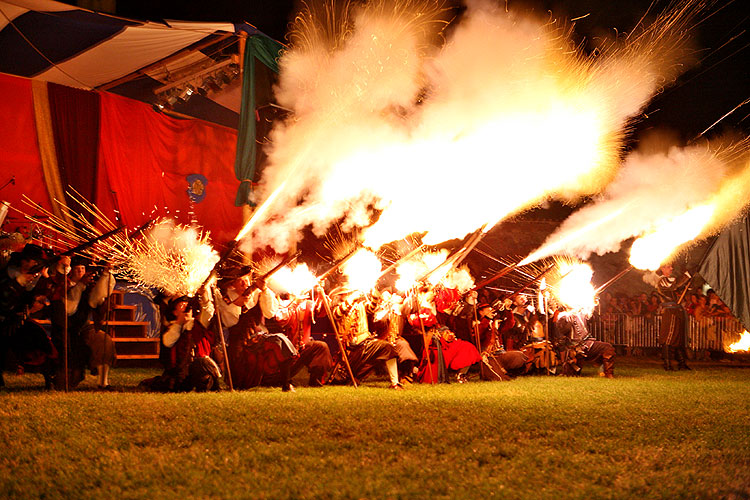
<point x="574" y="289"/>
<point x="536" y="114"/>
<point x="649" y="251"/>
<point x="362" y="270"/>
<point x="297" y="280"/>
<point x="742" y="345"/>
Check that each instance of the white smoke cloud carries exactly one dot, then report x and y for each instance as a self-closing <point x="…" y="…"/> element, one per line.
<point x="650" y="189"/>
<point x="447" y="138"/>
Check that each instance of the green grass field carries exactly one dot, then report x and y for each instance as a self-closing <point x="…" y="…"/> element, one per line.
<point x="645" y="434"/>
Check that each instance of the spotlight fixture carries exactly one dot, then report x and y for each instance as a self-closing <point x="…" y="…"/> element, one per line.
<point x="203" y="82"/>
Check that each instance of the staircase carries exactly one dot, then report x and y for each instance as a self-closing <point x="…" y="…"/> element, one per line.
<point x="130" y="336"/>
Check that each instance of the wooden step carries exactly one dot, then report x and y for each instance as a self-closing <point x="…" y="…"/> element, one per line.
<point x="137" y="347"/>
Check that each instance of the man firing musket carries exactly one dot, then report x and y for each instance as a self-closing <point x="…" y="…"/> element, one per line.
<point x="672" y="331"/>
<point x="576" y="343"/>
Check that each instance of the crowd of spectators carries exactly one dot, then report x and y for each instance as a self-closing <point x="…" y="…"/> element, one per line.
<point x="697" y="304"/>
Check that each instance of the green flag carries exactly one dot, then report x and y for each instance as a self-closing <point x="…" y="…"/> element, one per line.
<point x="265" y="50"/>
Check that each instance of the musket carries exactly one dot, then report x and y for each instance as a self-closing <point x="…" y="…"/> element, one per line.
<point x="461" y="252"/>
<point x="222" y="258"/>
<point x="406" y="257"/>
<point x="496" y="277"/>
<point x="530" y="282"/>
<point x="83" y="246"/>
<point x="285" y="262"/>
<point x="337" y="265"/>
<point x="613" y="279"/>
<point x="140" y="229"/>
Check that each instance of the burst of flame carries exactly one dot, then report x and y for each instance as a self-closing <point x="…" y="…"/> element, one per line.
<point x="410" y="271"/>
<point x="297" y="280"/>
<point x="651" y="250"/>
<point x="741" y="345"/>
<point x="538" y="115"/>
<point x="362" y="270"/>
<point x="574" y="288"/>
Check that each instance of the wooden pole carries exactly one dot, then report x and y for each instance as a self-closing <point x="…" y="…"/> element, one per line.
<point x="65" y="333"/>
<point x="476" y="339"/>
<point x="427" y="341"/>
<point x="344" y="357"/>
<point x="220" y="329"/>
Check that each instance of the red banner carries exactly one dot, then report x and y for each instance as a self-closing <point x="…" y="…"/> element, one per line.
<point x="19" y="151"/>
<point x="152" y="165"/>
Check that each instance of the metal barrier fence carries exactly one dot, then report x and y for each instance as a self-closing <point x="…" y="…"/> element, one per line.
<point x="643" y="331"/>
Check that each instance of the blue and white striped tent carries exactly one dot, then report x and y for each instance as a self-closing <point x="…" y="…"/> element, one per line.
<point x="60" y="43"/>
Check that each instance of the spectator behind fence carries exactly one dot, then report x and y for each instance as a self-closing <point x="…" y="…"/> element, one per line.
<point x="654" y="305"/>
<point x="692" y="304"/>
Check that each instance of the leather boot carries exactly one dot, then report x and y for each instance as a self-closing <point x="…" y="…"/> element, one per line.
<point x="681" y="357"/>
<point x="665" y="358"/>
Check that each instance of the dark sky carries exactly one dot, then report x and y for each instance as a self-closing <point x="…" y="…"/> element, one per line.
<point x="717" y="84"/>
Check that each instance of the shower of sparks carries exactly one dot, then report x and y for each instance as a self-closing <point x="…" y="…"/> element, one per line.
<point x="173" y="258"/>
<point x="77" y="227"/>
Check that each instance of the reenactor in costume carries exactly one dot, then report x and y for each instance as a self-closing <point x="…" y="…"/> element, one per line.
<point x="21" y="296"/>
<point x="295" y="316"/>
<point x="259" y="353"/>
<point x="575" y="344"/>
<point x="388" y="324"/>
<point x="672" y="332"/>
<point x="187" y="344"/>
<point x="498" y="364"/>
<point x="76" y="298"/>
<point x="364" y="350"/>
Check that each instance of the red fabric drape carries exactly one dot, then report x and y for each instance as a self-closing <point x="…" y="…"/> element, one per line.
<point x="145" y="158"/>
<point x="19" y="151"/>
<point x="75" y="122"/>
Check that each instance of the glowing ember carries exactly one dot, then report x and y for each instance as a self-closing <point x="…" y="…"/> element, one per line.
<point x="362" y="270"/>
<point x="297" y="281"/>
<point x="574" y="289"/>
<point x="649" y="251"/>
<point x="742" y="345"/>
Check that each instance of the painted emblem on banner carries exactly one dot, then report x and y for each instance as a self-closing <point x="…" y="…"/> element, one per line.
<point x="196" y="187"/>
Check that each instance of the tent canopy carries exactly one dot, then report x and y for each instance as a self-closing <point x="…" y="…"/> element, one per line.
<point x="64" y="44"/>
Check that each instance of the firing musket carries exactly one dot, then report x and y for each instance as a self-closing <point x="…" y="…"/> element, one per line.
<point x="285" y="262"/>
<point x="530" y="282"/>
<point x="222" y="258"/>
<point x="479" y="234"/>
<point x="495" y="277"/>
<point x="402" y="259"/>
<point x="612" y="280"/>
<point x="83" y="246"/>
<point x="337" y="265"/>
<point x="461" y="252"/>
<point x="141" y="229"/>
<point x="248" y="270"/>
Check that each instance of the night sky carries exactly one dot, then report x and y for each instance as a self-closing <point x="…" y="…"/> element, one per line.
<point x="718" y="83"/>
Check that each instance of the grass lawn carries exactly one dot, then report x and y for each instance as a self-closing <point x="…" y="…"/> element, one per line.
<point x="645" y="434"/>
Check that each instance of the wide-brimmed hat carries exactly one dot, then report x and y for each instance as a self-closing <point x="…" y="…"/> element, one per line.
<point x="33" y="252"/>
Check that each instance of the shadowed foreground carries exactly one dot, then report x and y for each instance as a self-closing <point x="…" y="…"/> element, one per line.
<point x="644" y="434"/>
